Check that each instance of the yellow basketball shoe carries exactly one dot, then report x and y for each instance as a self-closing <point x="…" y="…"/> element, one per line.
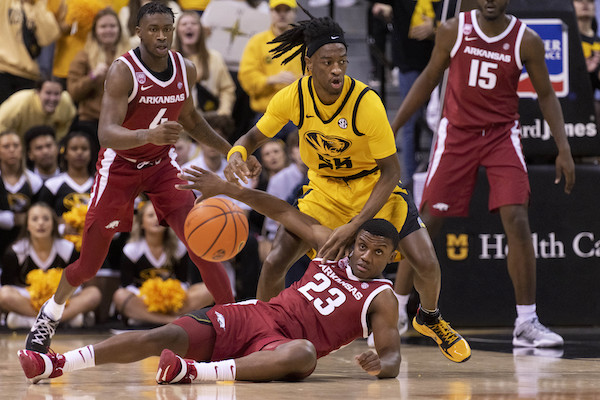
<point x="452" y="345"/>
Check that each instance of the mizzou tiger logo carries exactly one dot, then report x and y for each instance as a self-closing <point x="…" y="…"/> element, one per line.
<point x="18" y="202"/>
<point x="150" y="273"/>
<point x="73" y="199"/>
<point x="331" y="146"/>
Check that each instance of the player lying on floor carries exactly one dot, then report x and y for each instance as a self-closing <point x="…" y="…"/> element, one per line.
<point x="332" y="304"/>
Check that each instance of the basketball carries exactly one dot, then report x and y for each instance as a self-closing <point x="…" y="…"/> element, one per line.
<point x="216" y="229"/>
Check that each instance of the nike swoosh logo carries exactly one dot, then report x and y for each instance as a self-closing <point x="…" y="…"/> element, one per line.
<point x="334" y="37"/>
<point x="145" y="87"/>
<point x="470" y="38"/>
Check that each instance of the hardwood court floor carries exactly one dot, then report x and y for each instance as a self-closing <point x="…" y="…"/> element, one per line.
<point x="493" y="372"/>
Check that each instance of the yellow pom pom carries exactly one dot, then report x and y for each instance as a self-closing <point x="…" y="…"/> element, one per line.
<point x="83" y="12"/>
<point x="42" y="285"/>
<point x="75" y="217"/>
<point x="162" y="296"/>
<point x="75" y="239"/>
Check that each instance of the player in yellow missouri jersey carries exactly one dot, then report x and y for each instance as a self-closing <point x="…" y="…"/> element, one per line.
<point x="353" y="170"/>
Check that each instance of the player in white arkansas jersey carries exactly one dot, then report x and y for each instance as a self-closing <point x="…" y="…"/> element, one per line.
<point x="333" y="304"/>
<point x="145" y="106"/>
<point x="485" y="50"/>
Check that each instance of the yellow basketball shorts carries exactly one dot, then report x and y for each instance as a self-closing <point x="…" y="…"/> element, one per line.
<point x="334" y="202"/>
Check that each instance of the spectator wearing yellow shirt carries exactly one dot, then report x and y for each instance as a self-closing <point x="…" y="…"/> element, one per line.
<point x="18" y="67"/>
<point x="47" y="104"/>
<point x="259" y="75"/>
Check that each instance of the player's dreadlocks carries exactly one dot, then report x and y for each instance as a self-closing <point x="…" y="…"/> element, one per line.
<point x="310" y="35"/>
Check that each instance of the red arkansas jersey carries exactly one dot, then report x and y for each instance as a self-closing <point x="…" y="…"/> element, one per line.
<point x="327" y="306"/>
<point x="484" y="75"/>
<point x="153" y="102"/>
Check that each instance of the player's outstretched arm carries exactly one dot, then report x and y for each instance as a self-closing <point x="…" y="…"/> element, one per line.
<point x="300" y="224"/>
<point x="533" y="56"/>
<point x="383" y="317"/>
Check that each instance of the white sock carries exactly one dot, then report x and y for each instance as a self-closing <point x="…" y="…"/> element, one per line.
<point x="525" y="313"/>
<point x="54" y="310"/>
<point x="81" y="358"/>
<point x="402" y="300"/>
<point x="216" y="371"/>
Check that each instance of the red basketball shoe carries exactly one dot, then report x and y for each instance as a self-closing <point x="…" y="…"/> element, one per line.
<point x="38" y="366"/>
<point x="174" y="369"/>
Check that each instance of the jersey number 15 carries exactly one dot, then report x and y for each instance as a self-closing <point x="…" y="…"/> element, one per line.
<point x="481" y="74"/>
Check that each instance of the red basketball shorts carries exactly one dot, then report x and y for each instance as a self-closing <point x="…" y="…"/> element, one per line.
<point x="119" y="181"/>
<point x="458" y="155"/>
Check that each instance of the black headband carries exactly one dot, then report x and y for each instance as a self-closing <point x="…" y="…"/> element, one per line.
<point x="321" y="41"/>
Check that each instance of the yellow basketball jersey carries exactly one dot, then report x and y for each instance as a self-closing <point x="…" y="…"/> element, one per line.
<point x="342" y="139"/>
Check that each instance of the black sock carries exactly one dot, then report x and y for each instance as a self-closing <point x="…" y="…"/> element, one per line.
<point x="428" y="317"/>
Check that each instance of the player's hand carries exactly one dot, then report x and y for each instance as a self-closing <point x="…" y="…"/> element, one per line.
<point x="207" y="182"/>
<point x="336" y="247"/>
<point x="236" y="168"/>
<point x="166" y="133"/>
<point x="244" y="170"/>
<point x="369" y="361"/>
<point x="565" y="166"/>
<point x="253" y="166"/>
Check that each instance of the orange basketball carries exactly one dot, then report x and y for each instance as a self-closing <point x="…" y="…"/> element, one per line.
<point x="216" y="229"/>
